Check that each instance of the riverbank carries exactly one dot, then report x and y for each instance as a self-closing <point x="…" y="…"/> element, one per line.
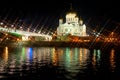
<point x="59" y="44"/>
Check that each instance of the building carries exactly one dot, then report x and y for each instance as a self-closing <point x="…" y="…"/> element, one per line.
<point x="72" y="25"/>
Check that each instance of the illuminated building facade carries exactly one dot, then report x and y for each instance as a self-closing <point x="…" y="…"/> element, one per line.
<point x="73" y="25"/>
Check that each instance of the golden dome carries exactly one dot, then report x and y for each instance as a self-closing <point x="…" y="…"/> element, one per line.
<point x="71" y="10"/>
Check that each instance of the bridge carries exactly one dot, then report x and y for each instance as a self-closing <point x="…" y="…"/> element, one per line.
<point x="23" y="35"/>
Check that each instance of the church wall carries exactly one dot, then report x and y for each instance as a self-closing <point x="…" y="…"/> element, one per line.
<point x="72" y="26"/>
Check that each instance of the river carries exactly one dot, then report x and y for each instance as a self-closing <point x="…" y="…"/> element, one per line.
<point x="59" y="63"/>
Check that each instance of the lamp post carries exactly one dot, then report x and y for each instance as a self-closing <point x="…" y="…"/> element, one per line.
<point x="1" y="24"/>
<point x="28" y="29"/>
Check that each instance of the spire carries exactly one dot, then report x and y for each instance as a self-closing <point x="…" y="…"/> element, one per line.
<point x="71" y="8"/>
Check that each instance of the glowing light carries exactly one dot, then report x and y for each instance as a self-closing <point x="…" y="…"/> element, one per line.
<point x="98" y="55"/>
<point x="67" y="59"/>
<point x="12" y="25"/>
<point x="112" y="60"/>
<point x="23" y="54"/>
<point x="25" y="33"/>
<point x="1" y="23"/>
<point x="5" y="26"/>
<point x="94" y="59"/>
<point x="30" y="52"/>
<point x="6" y="54"/>
<point x="55" y="57"/>
<point x="76" y="54"/>
<point x="83" y="56"/>
<point x="71" y="26"/>
<point x="25" y="38"/>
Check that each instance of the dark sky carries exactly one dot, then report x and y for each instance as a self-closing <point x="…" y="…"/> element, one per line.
<point x="47" y="12"/>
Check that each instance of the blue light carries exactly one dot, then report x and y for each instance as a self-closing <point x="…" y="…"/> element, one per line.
<point x="30" y="51"/>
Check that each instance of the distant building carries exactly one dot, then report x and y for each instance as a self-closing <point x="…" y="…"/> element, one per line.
<point x="73" y="25"/>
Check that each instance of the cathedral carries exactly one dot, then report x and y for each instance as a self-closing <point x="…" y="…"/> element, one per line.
<point x="72" y="25"/>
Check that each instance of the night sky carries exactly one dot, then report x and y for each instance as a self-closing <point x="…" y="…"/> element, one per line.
<point x="47" y="12"/>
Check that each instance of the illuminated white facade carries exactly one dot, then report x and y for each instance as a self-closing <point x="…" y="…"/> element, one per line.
<point x="73" y="25"/>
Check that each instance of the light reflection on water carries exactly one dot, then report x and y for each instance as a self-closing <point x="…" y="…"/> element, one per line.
<point x="96" y="58"/>
<point x="73" y="63"/>
<point x="112" y="60"/>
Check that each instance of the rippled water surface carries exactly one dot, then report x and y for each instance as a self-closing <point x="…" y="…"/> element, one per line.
<point x="57" y="63"/>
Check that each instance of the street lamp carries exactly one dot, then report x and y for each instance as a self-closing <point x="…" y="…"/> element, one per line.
<point x="1" y="23"/>
<point x="21" y="28"/>
<point x="28" y="29"/>
<point x="12" y="26"/>
<point x="34" y="30"/>
<point x="5" y="26"/>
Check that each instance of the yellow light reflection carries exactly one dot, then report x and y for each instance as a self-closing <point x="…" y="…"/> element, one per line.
<point x="112" y="60"/>
<point x="55" y="57"/>
<point x="6" y="54"/>
<point x="94" y="58"/>
<point x="83" y="56"/>
<point x="71" y="55"/>
<point x="60" y="53"/>
<point x="80" y="56"/>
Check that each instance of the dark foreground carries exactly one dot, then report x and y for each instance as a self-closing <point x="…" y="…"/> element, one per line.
<point x="48" y="72"/>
